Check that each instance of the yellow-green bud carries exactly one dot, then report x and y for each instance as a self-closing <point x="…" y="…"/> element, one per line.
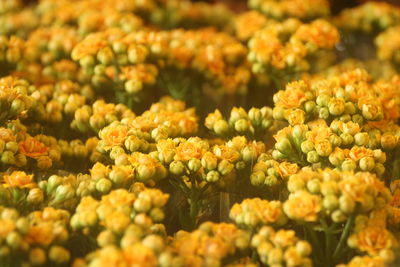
<point x="338" y="216"/>
<point x="323" y="148"/>
<point x="59" y="255"/>
<point x="14" y="240"/>
<point x="194" y="165"/>
<point x="314" y="186"/>
<point x="249" y="154"/>
<point x="142" y="205"/>
<point x="242" y="125"/>
<point x="35" y="196"/>
<point x="323" y="100"/>
<point x="106" y="238"/>
<point x="348" y="165"/>
<point x="346" y="204"/>
<point x="209" y="161"/>
<point x="225" y="167"/>
<point x="177" y="168"/>
<point x="330" y="202"/>
<point x="347" y="139"/>
<point x="8" y="158"/>
<point x="379" y="169"/>
<point x="103" y="185"/>
<point x="307" y="146"/>
<point x="312" y="157"/>
<point x="309" y="106"/>
<point x="367" y="164"/>
<point x="133" y="86"/>
<point x="303" y="248"/>
<point x="157" y="214"/>
<point x="221" y="127"/>
<point x="212" y="176"/>
<point x="12" y="146"/>
<point x="257" y="178"/>
<point x="323" y="113"/>
<point x="361" y="139"/>
<point x="278" y="113"/>
<point x="389" y="141"/>
<point x="271" y="180"/>
<point x="37" y="256"/>
<point x="145" y="172"/>
<point x="284" y="146"/>
<point x="336" y="106"/>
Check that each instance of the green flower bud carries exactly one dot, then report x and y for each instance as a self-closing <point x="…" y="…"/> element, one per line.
<point x="37" y="256"/>
<point x="2" y="145"/>
<point x="330" y="202"/>
<point x="157" y="214"/>
<point x="337" y="157"/>
<point x="53" y="182"/>
<point x="119" y="47"/>
<point x="338" y="216"/>
<point x="389" y="141"/>
<point x="295" y="184"/>
<point x="8" y="158"/>
<point x="271" y="180"/>
<point x="345" y="118"/>
<point x="100" y="70"/>
<point x="133" y="86"/>
<point x="336" y="106"/>
<point x="335" y="140"/>
<point x="255" y="116"/>
<point x="284" y="146"/>
<point x="105" y="56"/>
<point x="194" y="165"/>
<point x="323" y="113"/>
<point x="106" y="238"/>
<point x="221" y="127"/>
<point x="379" y="169"/>
<point x="177" y="168"/>
<point x="63" y="192"/>
<point x="240" y="165"/>
<point x="278" y="155"/>
<point x="303" y="248"/>
<point x="368" y="203"/>
<point x="59" y="255"/>
<point x="225" y="167"/>
<point x="142" y="205"/>
<point x="145" y="172"/>
<point x="14" y="240"/>
<point x="307" y="146"/>
<point x="367" y="164"/>
<point x="87" y="62"/>
<point x="35" y="196"/>
<point x="357" y="118"/>
<point x="312" y="157"/>
<point x="323" y="148"/>
<point x="23" y="225"/>
<point x="361" y="139"/>
<point x="314" y="186"/>
<point x="323" y="100"/>
<point x="347" y="139"/>
<point x="346" y="204"/>
<point x="242" y="126"/>
<point x="310" y="107"/>
<point x="350" y="108"/>
<point x="371" y="112"/>
<point x="348" y="165"/>
<point x="249" y="154"/>
<point x="12" y="146"/>
<point x="209" y="161"/>
<point x="212" y="176"/>
<point x="257" y="178"/>
<point x="278" y="113"/>
<point x="103" y="185"/>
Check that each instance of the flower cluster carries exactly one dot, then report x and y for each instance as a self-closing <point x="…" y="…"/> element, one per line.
<point x="284" y="47"/>
<point x="281" y="247"/>
<point x="253" y="123"/>
<point x="279" y="10"/>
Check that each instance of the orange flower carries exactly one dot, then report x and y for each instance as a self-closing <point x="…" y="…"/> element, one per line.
<point x="41" y="234"/>
<point x="33" y="148"/>
<point x="302" y="205"/>
<point x="291" y="98"/>
<point x="272" y="212"/>
<point x="189" y="150"/>
<point x="373" y="239"/>
<point x="6" y="135"/>
<point x="286" y="169"/>
<point x="319" y="134"/>
<point x="7" y="226"/>
<point x="113" y="136"/>
<point x="356" y="153"/>
<point x="18" y="179"/>
<point x="227" y="153"/>
<point x="138" y="255"/>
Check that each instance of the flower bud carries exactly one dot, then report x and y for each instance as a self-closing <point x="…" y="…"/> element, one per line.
<point x="7" y="158"/>
<point x="323" y="148"/>
<point x="389" y="141"/>
<point x="361" y="139"/>
<point x="194" y="165"/>
<point x="14" y="240"/>
<point x="133" y="86"/>
<point x="106" y="238"/>
<point x="209" y="161"/>
<point x="367" y="164"/>
<point x="323" y="100"/>
<point x="330" y="202"/>
<point x="212" y="176"/>
<point x="225" y="167"/>
<point x="336" y="106"/>
<point x="348" y="165"/>
<point x="242" y="126"/>
<point x="145" y="172"/>
<point x="257" y="178"/>
<point x="312" y="157"/>
<point x="37" y="256"/>
<point x="221" y="127"/>
<point x="346" y="204"/>
<point x="338" y="216"/>
<point x="35" y="196"/>
<point x="142" y="205"/>
<point x="103" y="185"/>
<point x="323" y="113"/>
<point x="249" y="154"/>
<point x="307" y="146"/>
<point x="59" y="255"/>
<point x="284" y="146"/>
<point x="177" y="168"/>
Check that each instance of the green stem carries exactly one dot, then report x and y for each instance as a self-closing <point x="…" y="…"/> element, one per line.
<point x="314" y="241"/>
<point x="344" y="236"/>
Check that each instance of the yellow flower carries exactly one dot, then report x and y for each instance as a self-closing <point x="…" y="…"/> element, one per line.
<point x="303" y="206"/>
<point x="356" y="153"/>
<point x="7" y="226"/>
<point x="372" y="240"/>
<point x="18" y="179"/>
<point x="226" y="153"/>
<point x="295" y="117"/>
<point x="137" y="255"/>
<point x="319" y="134"/>
<point x="189" y="150"/>
<point x="41" y="234"/>
<point x="291" y="98"/>
<point x="113" y="136"/>
<point x="286" y="169"/>
<point x="99" y="171"/>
